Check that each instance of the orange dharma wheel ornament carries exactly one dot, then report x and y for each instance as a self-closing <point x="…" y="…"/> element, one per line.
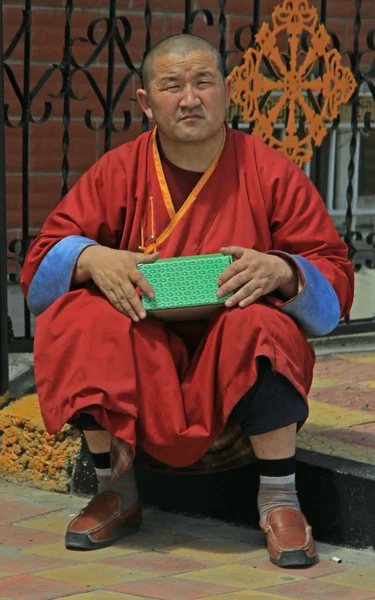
<point x="294" y="89"/>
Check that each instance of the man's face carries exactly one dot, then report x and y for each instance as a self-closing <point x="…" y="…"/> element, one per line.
<point x="187" y="96"/>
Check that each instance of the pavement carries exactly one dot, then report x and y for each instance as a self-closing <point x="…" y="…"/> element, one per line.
<point x="173" y="557"/>
<point x="342" y="408"/>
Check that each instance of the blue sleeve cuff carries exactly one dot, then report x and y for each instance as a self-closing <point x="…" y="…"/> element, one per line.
<point x="54" y="275"/>
<point x="316" y="308"/>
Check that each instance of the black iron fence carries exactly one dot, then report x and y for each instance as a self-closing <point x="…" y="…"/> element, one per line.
<point x="109" y="36"/>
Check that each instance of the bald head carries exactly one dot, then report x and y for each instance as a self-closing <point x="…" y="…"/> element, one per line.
<point x="179" y="45"/>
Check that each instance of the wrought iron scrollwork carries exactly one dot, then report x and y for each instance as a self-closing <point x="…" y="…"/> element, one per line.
<point x="358" y="255"/>
<point x="111" y="35"/>
<point x="117" y="34"/>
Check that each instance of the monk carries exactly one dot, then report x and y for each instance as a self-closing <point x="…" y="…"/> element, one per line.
<point x="190" y="186"/>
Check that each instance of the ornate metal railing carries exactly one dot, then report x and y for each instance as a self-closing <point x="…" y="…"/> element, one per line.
<point x="3" y="248"/>
<point x="109" y="37"/>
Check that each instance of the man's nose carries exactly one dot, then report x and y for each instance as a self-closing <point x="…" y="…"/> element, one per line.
<point x="190" y="98"/>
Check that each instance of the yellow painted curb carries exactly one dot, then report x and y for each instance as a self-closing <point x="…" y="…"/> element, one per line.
<point x="30" y="454"/>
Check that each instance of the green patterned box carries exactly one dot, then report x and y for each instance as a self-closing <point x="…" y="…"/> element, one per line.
<point x="186" y="281"/>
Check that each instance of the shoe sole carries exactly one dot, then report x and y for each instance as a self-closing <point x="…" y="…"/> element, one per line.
<point x="294" y="558"/>
<point x="81" y="541"/>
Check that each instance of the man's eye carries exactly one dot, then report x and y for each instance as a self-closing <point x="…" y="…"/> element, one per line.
<point x="173" y="87"/>
<point x="204" y="82"/>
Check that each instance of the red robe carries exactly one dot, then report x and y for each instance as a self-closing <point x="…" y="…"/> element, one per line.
<point x="139" y="380"/>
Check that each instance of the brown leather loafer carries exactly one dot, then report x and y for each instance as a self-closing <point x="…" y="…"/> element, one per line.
<point x="289" y="539"/>
<point x="102" y="522"/>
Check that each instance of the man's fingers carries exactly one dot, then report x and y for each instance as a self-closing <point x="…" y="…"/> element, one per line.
<point x="120" y="304"/>
<point x="247" y="291"/>
<point x="132" y="298"/>
<point x="126" y="308"/>
<point x="123" y="305"/>
<point x="234" y="283"/>
<point x="231" y="271"/>
<point x="140" y="280"/>
<point x="251" y="299"/>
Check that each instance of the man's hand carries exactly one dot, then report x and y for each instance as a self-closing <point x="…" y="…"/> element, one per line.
<point x="116" y="274"/>
<point x="256" y="274"/>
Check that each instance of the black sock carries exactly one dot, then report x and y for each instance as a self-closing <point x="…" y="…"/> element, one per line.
<point x="279" y="467"/>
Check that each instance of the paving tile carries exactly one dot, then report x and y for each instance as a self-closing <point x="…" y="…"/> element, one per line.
<point x="20" y="564"/>
<point x="94" y="576"/>
<point x="6" y="573"/>
<point x="334" y="447"/>
<point x="30" y="587"/>
<point x="58" y="550"/>
<point x="240" y="576"/>
<point x="360" y="435"/>
<point x="362" y="358"/>
<point x="319" y="590"/>
<point x="248" y="595"/>
<point x="153" y="540"/>
<point x="161" y="563"/>
<point x="18" y="537"/>
<point x="217" y="550"/>
<point x="323" y="568"/>
<point x="363" y="578"/>
<point x="352" y="396"/>
<point x="103" y="595"/>
<point x="346" y="366"/>
<point x="353" y="558"/>
<point x="370" y="383"/>
<point x="169" y="588"/>
<point x="324" y="416"/>
<point x="253" y="538"/>
<point x="325" y="382"/>
<point x="12" y="510"/>
<point x="56" y="522"/>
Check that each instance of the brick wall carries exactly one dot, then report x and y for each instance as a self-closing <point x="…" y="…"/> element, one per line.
<point x="47" y="39"/>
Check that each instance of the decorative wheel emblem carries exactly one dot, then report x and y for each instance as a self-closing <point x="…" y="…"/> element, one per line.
<point x="315" y="99"/>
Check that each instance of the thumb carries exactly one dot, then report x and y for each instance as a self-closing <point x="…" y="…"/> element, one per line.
<point x="146" y="258"/>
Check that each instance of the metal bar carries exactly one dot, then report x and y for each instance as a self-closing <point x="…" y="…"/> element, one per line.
<point x="67" y="59"/>
<point x="223" y="32"/>
<point x="354" y="327"/>
<point x="356" y="180"/>
<point x="323" y="12"/>
<point x="318" y="153"/>
<point x="355" y="60"/>
<point x="358" y="211"/>
<point x="25" y="150"/>
<point x="4" y="376"/>
<point x="20" y="344"/>
<point x="256" y="14"/>
<point x="187" y="25"/>
<point x="331" y="170"/>
<point x="148" y="23"/>
<point x="110" y="75"/>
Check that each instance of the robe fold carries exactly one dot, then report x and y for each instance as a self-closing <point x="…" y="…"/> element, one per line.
<point x="171" y="387"/>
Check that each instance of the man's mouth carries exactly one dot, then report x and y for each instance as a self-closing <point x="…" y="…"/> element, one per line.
<point x="193" y="116"/>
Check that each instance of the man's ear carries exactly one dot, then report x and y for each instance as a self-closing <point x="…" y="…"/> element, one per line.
<point x="228" y="89"/>
<point x="142" y="98"/>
